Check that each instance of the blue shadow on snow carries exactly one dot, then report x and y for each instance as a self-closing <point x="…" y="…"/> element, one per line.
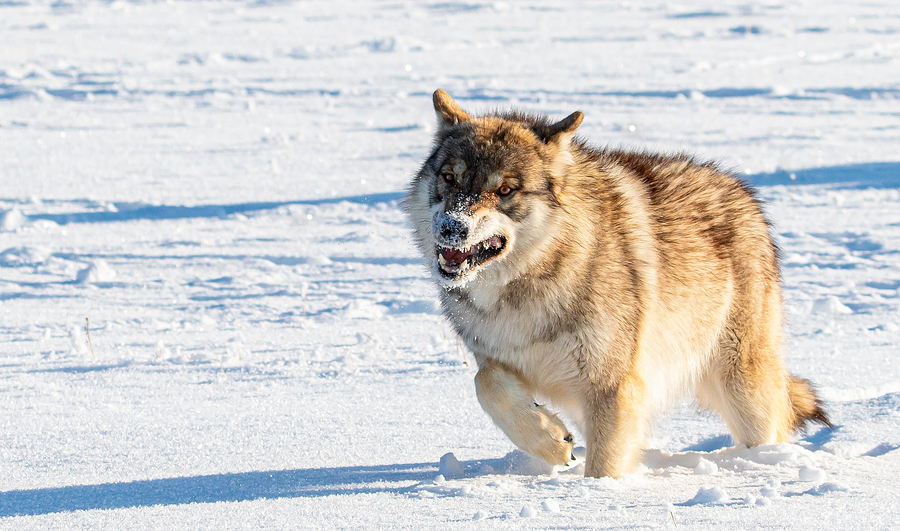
<point x="130" y="211"/>
<point x="848" y="176"/>
<point x="247" y="486"/>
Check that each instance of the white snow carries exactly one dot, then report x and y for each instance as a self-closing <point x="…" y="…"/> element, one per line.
<point x="708" y="495"/>
<point x="216" y="185"/>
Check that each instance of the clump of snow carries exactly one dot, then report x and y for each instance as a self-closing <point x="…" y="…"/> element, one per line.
<point x="528" y="512"/>
<point x="829" y="306"/>
<point x="24" y="256"/>
<point x="479" y="515"/>
<point x="707" y="495"/>
<point x="78" y="341"/>
<point x="364" y="309"/>
<point x="550" y="506"/>
<point x="11" y="220"/>
<point x="811" y="473"/>
<point x="450" y="466"/>
<point x="825" y="488"/>
<point x="96" y="271"/>
<point x="320" y="260"/>
<point x="162" y="351"/>
<point x="770" y="492"/>
<point x="485" y="470"/>
<point x="705" y="468"/>
<point x="752" y="500"/>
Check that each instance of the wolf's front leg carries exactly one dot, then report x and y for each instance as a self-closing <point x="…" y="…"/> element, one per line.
<point x="615" y="429"/>
<point x="530" y="426"/>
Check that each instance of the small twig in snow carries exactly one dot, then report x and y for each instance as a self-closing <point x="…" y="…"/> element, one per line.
<point x="87" y="332"/>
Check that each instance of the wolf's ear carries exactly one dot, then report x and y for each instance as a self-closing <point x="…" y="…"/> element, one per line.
<point x="562" y="130"/>
<point x="448" y="112"/>
<point x="559" y="136"/>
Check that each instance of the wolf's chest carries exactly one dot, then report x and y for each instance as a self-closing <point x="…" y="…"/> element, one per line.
<point x="528" y="338"/>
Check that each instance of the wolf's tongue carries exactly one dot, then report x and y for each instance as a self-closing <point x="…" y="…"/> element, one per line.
<point x="455" y="256"/>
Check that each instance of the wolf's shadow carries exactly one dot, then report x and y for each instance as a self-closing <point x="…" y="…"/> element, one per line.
<point x="246" y="486"/>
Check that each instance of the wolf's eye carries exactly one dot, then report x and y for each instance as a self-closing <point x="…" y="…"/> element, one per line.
<point x="448" y="177"/>
<point x="504" y="190"/>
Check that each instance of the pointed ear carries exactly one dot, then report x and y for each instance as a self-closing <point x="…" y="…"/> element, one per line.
<point x="562" y="130"/>
<point x="448" y="112"/>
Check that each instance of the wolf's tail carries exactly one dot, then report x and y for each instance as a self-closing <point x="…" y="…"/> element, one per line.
<point x="805" y="405"/>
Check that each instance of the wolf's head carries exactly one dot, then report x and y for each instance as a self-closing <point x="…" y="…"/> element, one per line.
<point x="482" y="204"/>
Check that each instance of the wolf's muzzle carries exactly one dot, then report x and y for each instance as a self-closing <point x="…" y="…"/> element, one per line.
<point x="450" y="229"/>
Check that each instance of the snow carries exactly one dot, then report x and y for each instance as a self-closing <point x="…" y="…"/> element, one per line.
<point x="213" y="316"/>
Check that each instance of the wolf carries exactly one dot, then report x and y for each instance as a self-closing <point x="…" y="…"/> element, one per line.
<point x="604" y="282"/>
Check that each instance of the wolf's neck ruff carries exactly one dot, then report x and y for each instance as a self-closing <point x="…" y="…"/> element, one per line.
<point x="607" y="282"/>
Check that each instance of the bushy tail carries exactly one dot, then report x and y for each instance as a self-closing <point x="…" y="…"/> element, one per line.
<point x="805" y="405"/>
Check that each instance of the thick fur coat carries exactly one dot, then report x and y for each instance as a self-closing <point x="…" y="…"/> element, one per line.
<point x="607" y="283"/>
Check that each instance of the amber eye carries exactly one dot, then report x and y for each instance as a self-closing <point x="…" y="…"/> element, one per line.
<point x="448" y="177"/>
<point x="504" y="190"/>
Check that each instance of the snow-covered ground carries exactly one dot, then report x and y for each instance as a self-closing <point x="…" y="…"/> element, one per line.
<point x="213" y="317"/>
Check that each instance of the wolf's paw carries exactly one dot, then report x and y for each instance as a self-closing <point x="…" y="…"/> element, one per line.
<point x="547" y="437"/>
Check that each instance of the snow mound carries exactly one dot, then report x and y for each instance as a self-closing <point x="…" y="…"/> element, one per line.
<point x="11" y="220"/>
<point x="364" y="309"/>
<point x="518" y="462"/>
<point x="826" y="488"/>
<point x="770" y="490"/>
<point x="882" y="449"/>
<point x="24" y="256"/>
<point x="550" y="506"/>
<point x="528" y="512"/>
<point x="737" y="458"/>
<point x="829" y="306"/>
<point x="450" y="467"/>
<point x="708" y="495"/>
<point x="705" y="468"/>
<point x="811" y="473"/>
<point x="97" y="271"/>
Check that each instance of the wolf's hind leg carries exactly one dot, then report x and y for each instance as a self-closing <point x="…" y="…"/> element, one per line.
<point x="512" y="408"/>
<point x="748" y="384"/>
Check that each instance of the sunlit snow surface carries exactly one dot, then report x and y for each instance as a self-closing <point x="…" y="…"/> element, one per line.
<point x="215" y="187"/>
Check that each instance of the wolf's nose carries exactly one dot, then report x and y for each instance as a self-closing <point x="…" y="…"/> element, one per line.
<point x="453" y="229"/>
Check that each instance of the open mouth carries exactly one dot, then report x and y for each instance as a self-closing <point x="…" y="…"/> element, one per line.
<point x="453" y="262"/>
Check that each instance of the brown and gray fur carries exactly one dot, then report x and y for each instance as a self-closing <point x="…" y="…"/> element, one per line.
<point x="613" y="283"/>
